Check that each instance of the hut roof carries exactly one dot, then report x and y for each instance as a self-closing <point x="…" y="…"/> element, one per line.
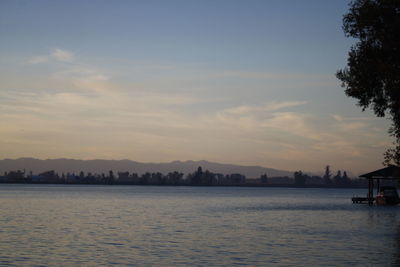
<point x="390" y="172"/>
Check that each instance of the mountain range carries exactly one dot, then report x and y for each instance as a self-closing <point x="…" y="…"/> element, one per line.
<point x="104" y="166"/>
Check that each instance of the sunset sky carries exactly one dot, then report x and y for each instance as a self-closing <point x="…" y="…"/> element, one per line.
<point x="244" y="82"/>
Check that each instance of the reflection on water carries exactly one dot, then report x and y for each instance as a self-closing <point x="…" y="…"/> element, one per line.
<point x="181" y="226"/>
<point x="396" y="253"/>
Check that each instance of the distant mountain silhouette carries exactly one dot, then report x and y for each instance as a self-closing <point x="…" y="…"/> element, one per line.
<point x="104" y="166"/>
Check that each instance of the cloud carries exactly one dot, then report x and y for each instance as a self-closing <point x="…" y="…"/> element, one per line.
<point x="273" y="106"/>
<point x="55" y="55"/>
<point x="271" y="75"/>
<point x="38" y="59"/>
<point x="283" y="80"/>
<point x="62" y="55"/>
<point x="349" y="124"/>
<point x="269" y="119"/>
<point x="77" y="75"/>
<point x="271" y="116"/>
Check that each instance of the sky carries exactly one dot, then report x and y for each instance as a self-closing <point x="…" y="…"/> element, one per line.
<point x="232" y="81"/>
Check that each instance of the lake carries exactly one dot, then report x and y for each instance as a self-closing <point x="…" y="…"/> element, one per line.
<point x="72" y="225"/>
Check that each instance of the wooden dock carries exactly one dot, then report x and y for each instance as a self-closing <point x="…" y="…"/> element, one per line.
<point x="363" y="200"/>
<point x="391" y="172"/>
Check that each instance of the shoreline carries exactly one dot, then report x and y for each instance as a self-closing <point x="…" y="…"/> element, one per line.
<point x="190" y="185"/>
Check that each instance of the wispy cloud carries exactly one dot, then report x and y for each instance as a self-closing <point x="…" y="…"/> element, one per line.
<point x="38" y="59"/>
<point x="353" y="123"/>
<point x="273" y="106"/>
<point x="62" y="55"/>
<point x="76" y="75"/>
<point x="56" y="54"/>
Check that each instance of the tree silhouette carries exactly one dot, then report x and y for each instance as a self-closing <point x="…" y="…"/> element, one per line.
<point x="345" y="178"/>
<point x="300" y="178"/>
<point x="327" y="175"/>
<point x="338" y="178"/>
<point x="144" y="179"/>
<point x="372" y="74"/>
<point x="174" y="178"/>
<point x="264" y="178"/>
<point x="111" y="177"/>
<point x="197" y="176"/>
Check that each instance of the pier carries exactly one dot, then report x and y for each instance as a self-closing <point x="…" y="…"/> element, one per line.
<point x="374" y="178"/>
<point x="362" y="200"/>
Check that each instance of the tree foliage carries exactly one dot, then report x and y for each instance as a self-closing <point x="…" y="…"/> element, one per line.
<point x="264" y="178"/>
<point x="372" y="74"/>
<point x="300" y="178"/>
<point x="327" y="175"/>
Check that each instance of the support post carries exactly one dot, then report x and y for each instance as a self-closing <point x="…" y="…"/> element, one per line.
<point x="378" y="187"/>
<point x="370" y="191"/>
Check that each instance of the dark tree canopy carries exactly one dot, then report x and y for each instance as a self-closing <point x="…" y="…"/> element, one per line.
<point x="372" y="74"/>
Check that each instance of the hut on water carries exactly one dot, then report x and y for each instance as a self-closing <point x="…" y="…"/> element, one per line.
<point x="376" y="178"/>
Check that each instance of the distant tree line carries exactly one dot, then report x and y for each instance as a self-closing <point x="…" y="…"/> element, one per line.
<point x="339" y="180"/>
<point x="196" y="178"/>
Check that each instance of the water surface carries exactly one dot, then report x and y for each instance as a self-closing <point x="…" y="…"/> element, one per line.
<point x="72" y="225"/>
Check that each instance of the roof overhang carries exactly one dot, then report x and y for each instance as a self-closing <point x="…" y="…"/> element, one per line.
<point x="389" y="173"/>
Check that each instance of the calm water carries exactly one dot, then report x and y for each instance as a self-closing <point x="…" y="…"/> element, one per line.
<point x="193" y="226"/>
